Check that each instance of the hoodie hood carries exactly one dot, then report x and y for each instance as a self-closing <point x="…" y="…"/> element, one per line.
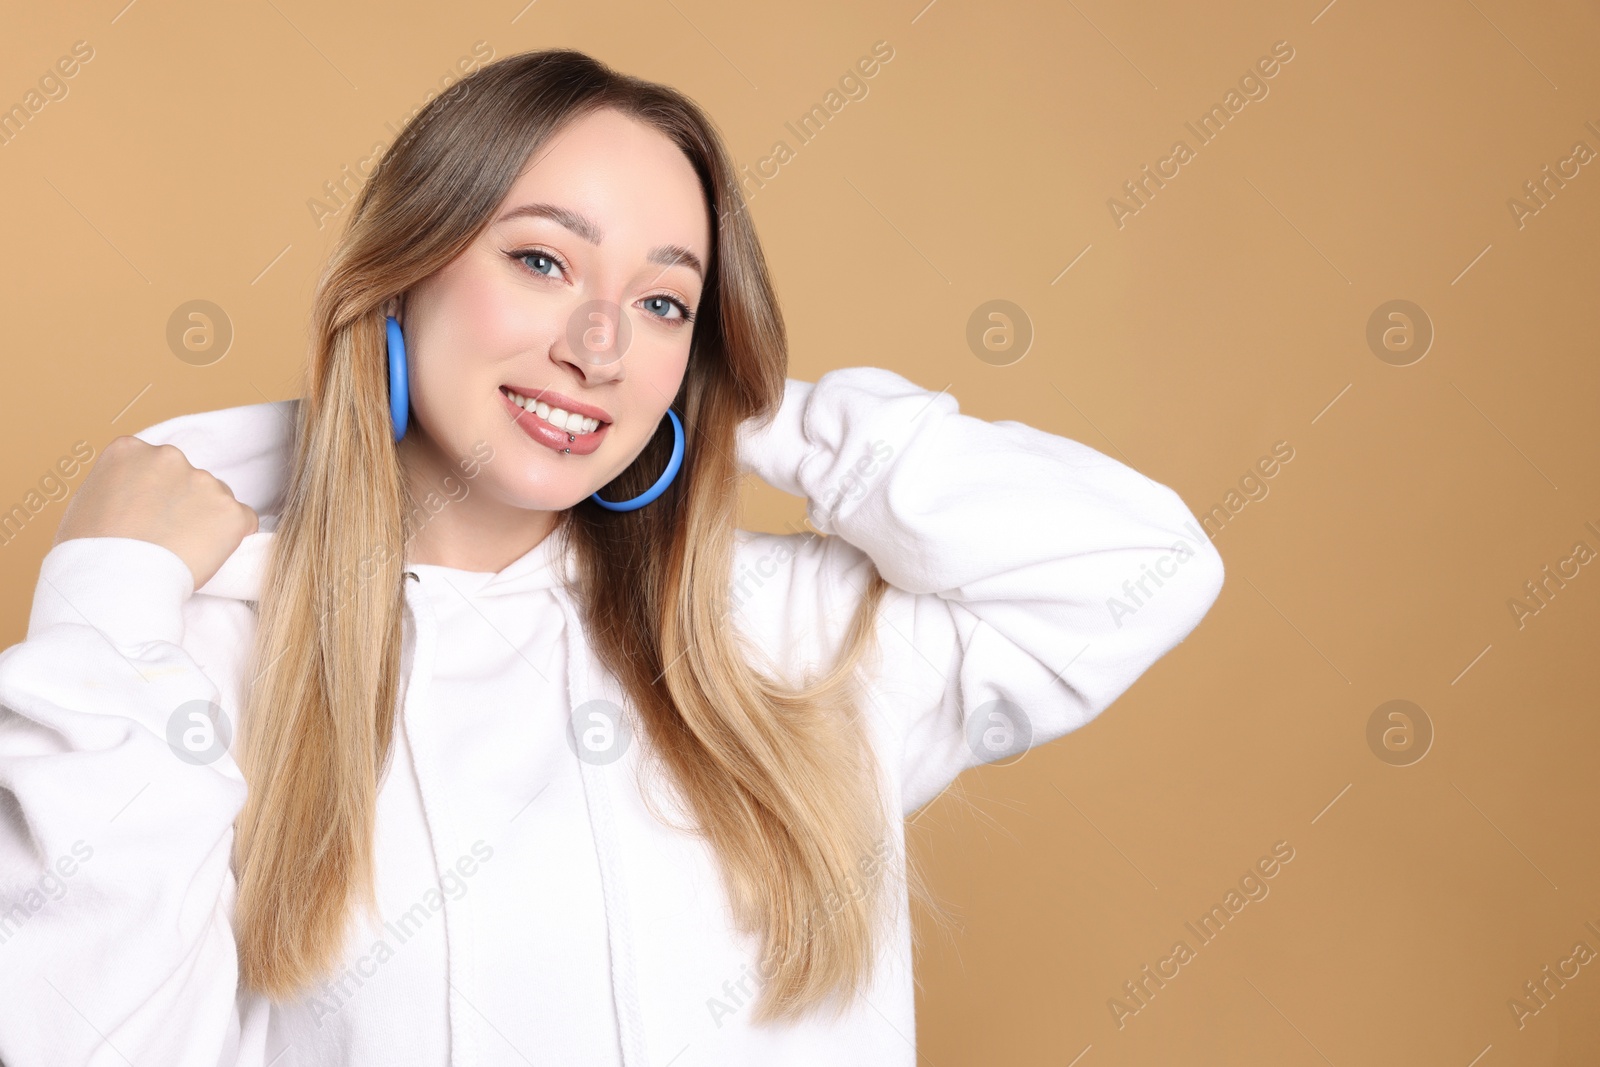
<point x="250" y="448"/>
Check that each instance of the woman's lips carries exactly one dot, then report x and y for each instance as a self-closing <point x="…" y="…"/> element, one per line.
<point x="580" y="444"/>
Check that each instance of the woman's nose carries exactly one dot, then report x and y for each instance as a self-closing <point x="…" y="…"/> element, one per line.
<point x="597" y="338"/>
<point x="599" y="332"/>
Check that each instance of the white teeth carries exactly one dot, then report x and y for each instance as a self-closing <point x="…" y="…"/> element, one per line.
<point x="565" y="420"/>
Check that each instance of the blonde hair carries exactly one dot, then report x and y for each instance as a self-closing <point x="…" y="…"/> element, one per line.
<point x="781" y="781"/>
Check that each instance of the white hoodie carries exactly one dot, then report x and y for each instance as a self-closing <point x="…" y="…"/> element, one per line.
<point x="534" y="909"/>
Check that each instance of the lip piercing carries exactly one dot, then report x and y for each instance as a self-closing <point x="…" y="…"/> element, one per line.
<point x="567" y="451"/>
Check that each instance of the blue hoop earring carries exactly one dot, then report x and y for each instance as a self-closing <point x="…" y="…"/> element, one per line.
<point x="661" y="483"/>
<point x="399" y="394"/>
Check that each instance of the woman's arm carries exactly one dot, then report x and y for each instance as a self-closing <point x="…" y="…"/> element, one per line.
<point x="116" y="944"/>
<point x="1034" y="578"/>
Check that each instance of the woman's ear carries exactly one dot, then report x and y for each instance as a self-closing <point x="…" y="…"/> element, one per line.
<point x="394" y="306"/>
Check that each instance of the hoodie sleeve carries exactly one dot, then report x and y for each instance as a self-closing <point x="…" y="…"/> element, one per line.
<point x="116" y="943"/>
<point x="1033" y="579"/>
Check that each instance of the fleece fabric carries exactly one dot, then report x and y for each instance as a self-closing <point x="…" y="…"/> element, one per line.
<point x="533" y="907"/>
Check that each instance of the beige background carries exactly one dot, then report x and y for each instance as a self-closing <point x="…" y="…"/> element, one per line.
<point x="1228" y="314"/>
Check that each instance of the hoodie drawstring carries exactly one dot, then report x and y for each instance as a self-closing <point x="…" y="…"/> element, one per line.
<point x="585" y="681"/>
<point x="583" y="673"/>
<point x="432" y="789"/>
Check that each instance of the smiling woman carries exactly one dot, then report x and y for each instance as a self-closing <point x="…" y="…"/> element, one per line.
<point x="693" y="787"/>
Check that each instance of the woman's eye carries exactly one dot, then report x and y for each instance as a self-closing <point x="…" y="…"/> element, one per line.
<point x="538" y="262"/>
<point x="663" y="306"/>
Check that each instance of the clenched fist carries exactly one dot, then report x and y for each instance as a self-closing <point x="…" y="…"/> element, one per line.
<point x="152" y="493"/>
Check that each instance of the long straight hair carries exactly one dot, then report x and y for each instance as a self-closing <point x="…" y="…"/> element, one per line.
<point x="779" y="777"/>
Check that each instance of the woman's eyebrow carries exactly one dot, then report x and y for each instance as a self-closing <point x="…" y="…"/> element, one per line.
<point x="667" y="255"/>
<point x="585" y="227"/>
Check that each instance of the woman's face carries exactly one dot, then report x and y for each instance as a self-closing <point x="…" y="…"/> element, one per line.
<point x="608" y="215"/>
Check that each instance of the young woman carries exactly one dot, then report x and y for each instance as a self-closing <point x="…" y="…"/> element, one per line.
<point x="444" y="716"/>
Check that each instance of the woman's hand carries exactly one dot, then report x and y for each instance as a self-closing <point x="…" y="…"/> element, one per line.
<point x="152" y="493"/>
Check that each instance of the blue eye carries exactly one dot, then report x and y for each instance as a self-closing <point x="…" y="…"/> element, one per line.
<point x="664" y="303"/>
<point x="539" y="254"/>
